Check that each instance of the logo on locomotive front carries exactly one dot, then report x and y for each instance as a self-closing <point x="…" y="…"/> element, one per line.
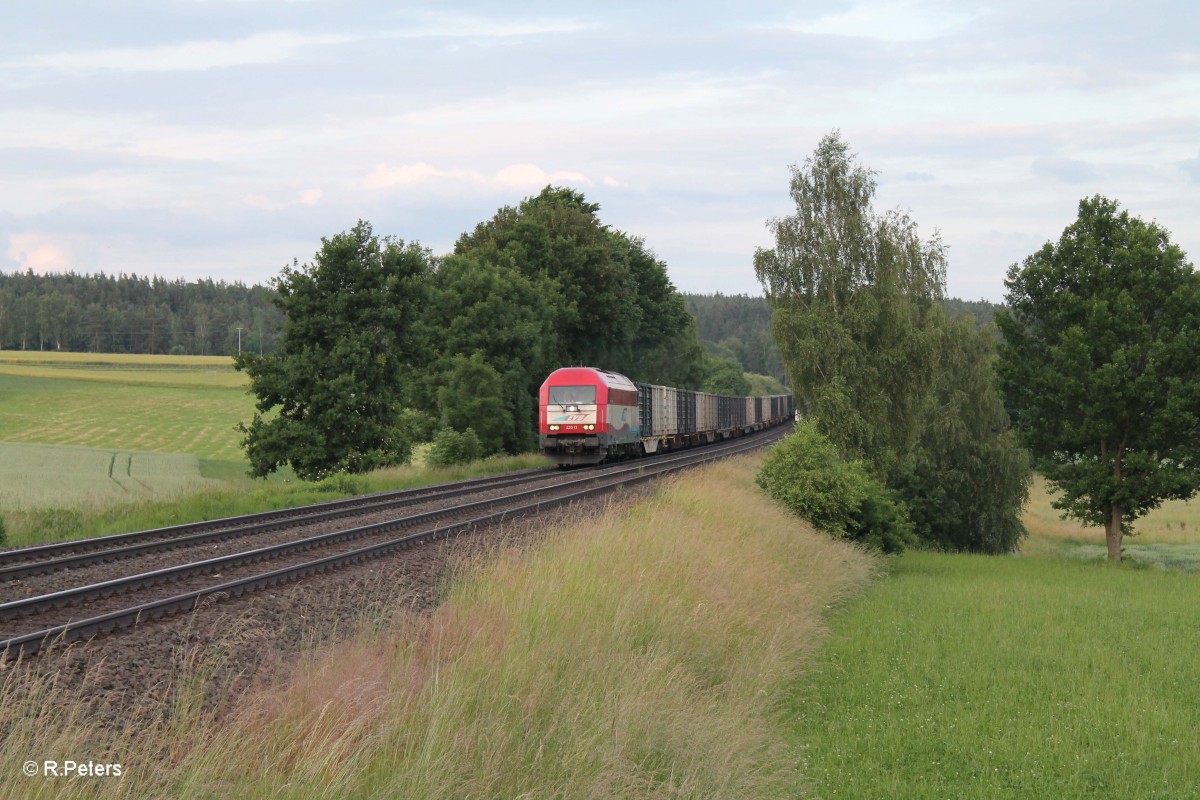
<point x="570" y="418"/>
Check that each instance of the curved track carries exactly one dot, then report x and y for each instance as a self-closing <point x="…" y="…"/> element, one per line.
<point x="29" y="624"/>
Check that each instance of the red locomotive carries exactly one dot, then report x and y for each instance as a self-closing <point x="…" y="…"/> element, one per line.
<point x="588" y="415"/>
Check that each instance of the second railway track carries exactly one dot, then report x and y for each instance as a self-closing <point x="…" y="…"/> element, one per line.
<point x="28" y="623"/>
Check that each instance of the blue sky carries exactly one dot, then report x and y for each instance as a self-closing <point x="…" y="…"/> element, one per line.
<point x="224" y="138"/>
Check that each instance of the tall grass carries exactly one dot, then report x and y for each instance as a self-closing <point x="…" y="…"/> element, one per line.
<point x="983" y="677"/>
<point x="635" y="653"/>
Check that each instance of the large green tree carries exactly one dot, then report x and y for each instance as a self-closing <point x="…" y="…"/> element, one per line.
<point x="330" y="396"/>
<point x="607" y="298"/>
<point x="1099" y="363"/>
<point x="857" y="310"/>
<point x="852" y="293"/>
<point x="483" y="319"/>
<point x="967" y="478"/>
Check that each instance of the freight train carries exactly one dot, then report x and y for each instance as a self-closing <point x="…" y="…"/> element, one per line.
<point x="588" y="415"/>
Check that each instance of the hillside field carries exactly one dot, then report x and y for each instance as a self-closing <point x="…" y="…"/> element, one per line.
<point x="158" y="404"/>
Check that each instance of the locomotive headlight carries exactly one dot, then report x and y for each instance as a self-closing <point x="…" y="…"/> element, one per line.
<point x="553" y="427"/>
<point x="589" y="427"/>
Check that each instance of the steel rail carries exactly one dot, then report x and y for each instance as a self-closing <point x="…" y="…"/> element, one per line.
<point x="130" y="545"/>
<point x="30" y="643"/>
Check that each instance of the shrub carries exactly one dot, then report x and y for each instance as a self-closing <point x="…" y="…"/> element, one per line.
<point x="453" y="447"/>
<point x="3" y="533"/>
<point x="807" y="475"/>
<point x="56" y="524"/>
<point x="343" y="483"/>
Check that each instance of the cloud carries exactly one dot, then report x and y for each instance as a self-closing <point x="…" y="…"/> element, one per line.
<point x="439" y="25"/>
<point x="530" y="176"/>
<point x="273" y="47"/>
<point x="307" y="197"/>
<point x="886" y="21"/>
<point x="1067" y="170"/>
<point x="1191" y="166"/>
<point x="262" y="48"/>
<point x="406" y="175"/>
<point x="522" y="177"/>
<point x="35" y="252"/>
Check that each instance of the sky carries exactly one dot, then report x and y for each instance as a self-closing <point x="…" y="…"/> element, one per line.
<point x="225" y="138"/>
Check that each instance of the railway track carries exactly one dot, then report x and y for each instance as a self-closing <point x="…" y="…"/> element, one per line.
<point x="40" y="559"/>
<point x="29" y="624"/>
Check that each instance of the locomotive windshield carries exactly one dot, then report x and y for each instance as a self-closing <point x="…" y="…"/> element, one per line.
<point x="572" y="395"/>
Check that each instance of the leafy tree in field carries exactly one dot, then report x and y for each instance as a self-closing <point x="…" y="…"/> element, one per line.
<point x="472" y="397"/>
<point x="807" y="475"/>
<point x="852" y="293"/>
<point x="967" y="480"/>
<point x="501" y="319"/>
<point x="858" y="316"/>
<point x="452" y="447"/>
<point x="725" y="376"/>
<point x="329" y="398"/>
<point x="558" y="236"/>
<point x="1099" y="362"/>
<point x="609" y="301"/>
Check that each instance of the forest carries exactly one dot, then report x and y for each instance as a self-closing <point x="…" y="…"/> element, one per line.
<point x="134" y="314"/>
<point x="150" y="314"/>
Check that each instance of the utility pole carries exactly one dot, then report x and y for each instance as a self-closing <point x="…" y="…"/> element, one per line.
<point x="239" y="340"/>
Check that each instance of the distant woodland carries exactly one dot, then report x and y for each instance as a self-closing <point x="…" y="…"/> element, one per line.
<point x="134" y="314"/>
<point x="143" y="314"/>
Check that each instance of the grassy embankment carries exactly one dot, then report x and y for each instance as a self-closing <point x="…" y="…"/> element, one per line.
<point x="1032" y="677"/>
<point x="642" y="652"/>
<point x="99" y="443"/>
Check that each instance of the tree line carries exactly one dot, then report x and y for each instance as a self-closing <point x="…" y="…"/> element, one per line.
<point x="134" y="314"/>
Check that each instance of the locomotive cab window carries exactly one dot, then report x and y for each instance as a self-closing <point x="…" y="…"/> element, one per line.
<point x="572" y="395"/>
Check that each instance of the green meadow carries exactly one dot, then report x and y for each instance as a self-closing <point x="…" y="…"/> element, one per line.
<point x="40" y="476"/>
<point x="1031" y="677"/>
<point x="1048" y="674"/>
<point x="159" y="406"/>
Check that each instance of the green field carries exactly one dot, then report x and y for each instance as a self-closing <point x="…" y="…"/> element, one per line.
<point x="157" y="406"/>
<point x="34" y="476"/>
<point x="983" y="677"/>
<point x="99" y="443"/>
